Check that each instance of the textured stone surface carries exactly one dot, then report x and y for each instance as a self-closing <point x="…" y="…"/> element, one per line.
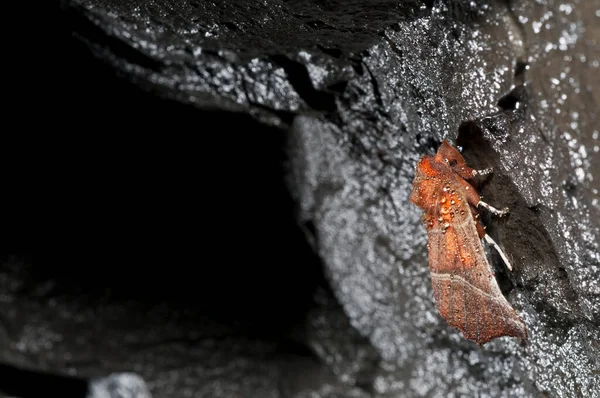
<point x="370" y="236"/>
<point x="363" y="90"/>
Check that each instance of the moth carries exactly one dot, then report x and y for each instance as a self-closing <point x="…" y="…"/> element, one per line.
<point x="464" y="287"/>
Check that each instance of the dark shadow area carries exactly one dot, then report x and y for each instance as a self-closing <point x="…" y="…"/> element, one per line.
<point x="521" y="233"/>
<point x="479" y="154"/>
<point x="516" y="97"/>
<point x="28" y="384"/>
<point x="17" y="198"/>
<point x="156" y="191"/>
<point x="158" y="202"/>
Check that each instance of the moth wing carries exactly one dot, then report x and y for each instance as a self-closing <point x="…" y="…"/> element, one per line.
<point x="464" y="287"/>
<point x="425" y="188"/>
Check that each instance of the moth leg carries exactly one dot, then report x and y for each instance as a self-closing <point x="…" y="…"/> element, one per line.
<point x="480" y="229"/>
<point x="472" y="195"/>
<point x="492" y="210"/>
<point x="482" y="235"/>
<point x="482" y="172"/>
<point x="465" y="171"/>
<point x="474" y="199"/>
<point x="489" y="240"/>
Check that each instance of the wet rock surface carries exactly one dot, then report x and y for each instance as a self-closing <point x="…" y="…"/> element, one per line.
<point x="355" y="93"/>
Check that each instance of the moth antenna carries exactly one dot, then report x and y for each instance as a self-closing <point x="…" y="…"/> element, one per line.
<point x="483" y="172"/>
<point x="493" y="243"/>
<point x="493" y="210"/>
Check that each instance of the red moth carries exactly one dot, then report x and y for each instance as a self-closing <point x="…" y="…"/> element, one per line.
<point x="465" y="290"/>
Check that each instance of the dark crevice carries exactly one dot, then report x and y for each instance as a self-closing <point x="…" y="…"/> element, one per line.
<point x="231" y="26"/>
<point x="144" y="211"/>
<point x="331" y="51"/>
<point x="300" y="79"/>
<point x="338" y="87"/>
<point x="520" y="68"/>
<point x="375" y="85"/>
<point x="521" y="233"/>
<point x="517" y="98"/>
